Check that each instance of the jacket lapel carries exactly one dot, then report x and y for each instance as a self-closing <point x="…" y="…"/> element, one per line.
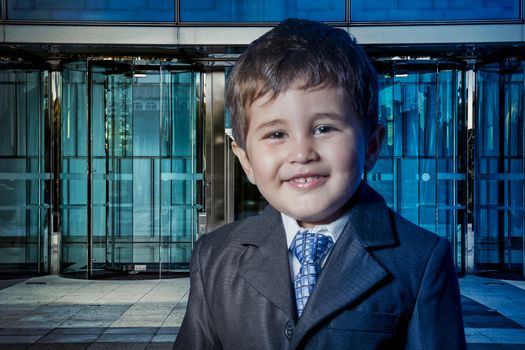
<point x="268" y="269"/>
<point x="351" y="269"/>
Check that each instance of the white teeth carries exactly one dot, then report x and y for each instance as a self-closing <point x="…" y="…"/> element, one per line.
<point x="304" y="180"/>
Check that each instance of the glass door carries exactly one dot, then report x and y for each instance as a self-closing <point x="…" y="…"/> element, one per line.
<point x="420" y="171"/>
<point x="142" y="189"/>
<point x="24" y="173"/>
<point x="499" y="196"/>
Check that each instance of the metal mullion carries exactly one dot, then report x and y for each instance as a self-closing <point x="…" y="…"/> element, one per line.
<point x="39" y="162"/>
<point x="348" y="12"/>
<point x="501" y="166"/>
<point x="418" y="155"/>
<point x="4" y="10"/>
<point x="109" y="224"/>
<point x="436" y="154"/>
<point x="160" y="168"/>
<point x="523" y="173"/>
<point x="89" y="263"/>
<point x="177" y="12"/>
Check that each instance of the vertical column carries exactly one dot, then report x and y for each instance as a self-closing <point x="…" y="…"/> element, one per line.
<point x="471" y="110"/>
<point x="89" y="261"/>
<point x="53" y="130"/>
<point x="216" y="143"/>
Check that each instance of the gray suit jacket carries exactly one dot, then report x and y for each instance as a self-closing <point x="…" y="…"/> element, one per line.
<point x="387" y="284"/>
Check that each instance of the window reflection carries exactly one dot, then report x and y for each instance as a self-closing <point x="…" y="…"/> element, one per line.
<point x="73" y="10"/>
<point x="430" y="10"/>
<point x="260" y="10"/>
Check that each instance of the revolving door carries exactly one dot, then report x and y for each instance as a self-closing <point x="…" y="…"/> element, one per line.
<point x="130" y="167"/>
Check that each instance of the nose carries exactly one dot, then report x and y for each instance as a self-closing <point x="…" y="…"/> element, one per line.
<point x="302" y="150"/>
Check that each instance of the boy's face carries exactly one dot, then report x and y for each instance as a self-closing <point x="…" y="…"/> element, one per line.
<point x="306" y="151"/>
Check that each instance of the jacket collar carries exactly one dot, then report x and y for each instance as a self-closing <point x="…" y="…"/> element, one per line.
<point x="268" y="269"/>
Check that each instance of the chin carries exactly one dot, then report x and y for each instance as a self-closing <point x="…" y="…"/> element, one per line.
<point x="311" y="217"/>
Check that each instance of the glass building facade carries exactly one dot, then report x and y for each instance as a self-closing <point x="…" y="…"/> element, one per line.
<point x="211" y="11"/>
<point x="24" y="172"/>
<point x="114" y="151"/>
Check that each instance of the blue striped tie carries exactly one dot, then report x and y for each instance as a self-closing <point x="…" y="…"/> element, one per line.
<point x="309" y="248"/>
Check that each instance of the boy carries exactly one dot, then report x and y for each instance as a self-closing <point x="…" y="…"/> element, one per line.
<point x="326" y="265"/>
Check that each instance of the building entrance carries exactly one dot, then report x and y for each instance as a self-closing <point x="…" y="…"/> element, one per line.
<point x="129" y="167"/>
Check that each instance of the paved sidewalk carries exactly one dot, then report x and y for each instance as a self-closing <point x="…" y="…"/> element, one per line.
<point x="494" y="313"/>
<point x="52" y="312"/>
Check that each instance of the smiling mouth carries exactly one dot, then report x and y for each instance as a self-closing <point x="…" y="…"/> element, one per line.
<point x="307" y="181"/>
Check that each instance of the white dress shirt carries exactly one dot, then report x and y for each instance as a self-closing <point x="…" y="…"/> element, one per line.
<point x="291" y="227"/>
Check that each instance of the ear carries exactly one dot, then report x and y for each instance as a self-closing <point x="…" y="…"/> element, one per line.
<point x="244" y="160"/>
<point x="373" y="147"/>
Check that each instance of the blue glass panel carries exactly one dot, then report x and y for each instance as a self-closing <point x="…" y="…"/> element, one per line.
<point x="499" y="166"/>
<point x="417" y="172"/>
<point x="433" y="10"/>
<point x="97" y="10"/>
<point x="260" y="10"/>
<point x="23" y="184"/>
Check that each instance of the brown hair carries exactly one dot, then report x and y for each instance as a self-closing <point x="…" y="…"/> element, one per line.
<point x="306" y="52"/>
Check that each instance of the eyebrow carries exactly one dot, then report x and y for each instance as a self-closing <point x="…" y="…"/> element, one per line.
<point x="271" y="124"/>
<point x="329" y="115"/>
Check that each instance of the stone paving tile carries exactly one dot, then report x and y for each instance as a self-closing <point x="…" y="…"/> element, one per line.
<point x="163" y="330"/>
<point x="24" y="331"/>
<point x="117" y="346"/>
<point x="495" y="347"/>
<point x="476" y="337"/>
<point x="164" y="338"/>
<point x="124" y="338"/>
<point x="76" y="323"/>
<point x="505" y="336"/>
<point x="35" y="324"/>
<point x="15" y="346"/>
<point x="160" y="346"/>
<point x="59" y="346"/>
<point x="131" y="330"/>
<point x="176" y="316"/>
<point x="68" y="338"/>
<point x="99" y="312"/>
<point x="19" y="339"/>
<point x="84" y="330"/>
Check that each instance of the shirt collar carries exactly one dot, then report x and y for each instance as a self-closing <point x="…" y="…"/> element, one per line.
<point x="333" y="229"/>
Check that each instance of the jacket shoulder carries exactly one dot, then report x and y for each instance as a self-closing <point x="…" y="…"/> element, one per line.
<point x="230" y="238"/>
<point x="407" y="230"/>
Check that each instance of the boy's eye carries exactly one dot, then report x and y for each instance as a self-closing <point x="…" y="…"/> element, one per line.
<point x="323" y="129"/>
<point x="276" y="135"/>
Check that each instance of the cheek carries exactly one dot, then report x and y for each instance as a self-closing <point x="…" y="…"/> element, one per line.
<point x="348" y="160"/>
<point x="263" y="165"/>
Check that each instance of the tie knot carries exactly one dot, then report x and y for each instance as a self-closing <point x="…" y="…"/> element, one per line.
<point x="310" y="247"/>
